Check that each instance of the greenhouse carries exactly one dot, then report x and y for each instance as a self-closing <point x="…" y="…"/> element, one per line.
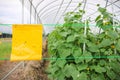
<point x="60" y="40"/>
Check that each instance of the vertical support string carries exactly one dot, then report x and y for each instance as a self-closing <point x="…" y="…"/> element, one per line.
<point x="113" y="23"/>
<point x="85" y="28"/>
<point x="85" y="31"/>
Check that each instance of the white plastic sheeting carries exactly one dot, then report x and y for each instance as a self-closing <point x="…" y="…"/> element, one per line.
<point x="52" y="11"/>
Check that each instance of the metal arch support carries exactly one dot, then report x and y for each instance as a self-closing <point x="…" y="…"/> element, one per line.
<point x="65" y="9"/>
<point x="57" y="5"/>
<point x="58" y="10"/>
<point x="35" y="11"/>
<point x="53" y="10"/>
<point x="47" y="5"/>
<point x="106" y="6"/>
<point x="113" y="3"/>
<point x="62" y="10"/>
<point x="84" y="7"/>
<point x="39" y="4"/>
<point x="63" y="4"/>
<point x="54" y="13"/>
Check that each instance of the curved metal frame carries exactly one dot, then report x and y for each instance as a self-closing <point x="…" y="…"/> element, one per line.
<point x="47" y="5"/>
<point x="106" y="6"/>
<point x="55" y="11"/>
<point x="58" y="10"/>
<point x="63" y="4"/>
<point x="57" y="0"/>
<point x="39" y="4"/>
<point x="65" y="10"/>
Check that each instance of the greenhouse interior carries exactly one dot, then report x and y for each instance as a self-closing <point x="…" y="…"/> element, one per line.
<point x="60" y="40"/>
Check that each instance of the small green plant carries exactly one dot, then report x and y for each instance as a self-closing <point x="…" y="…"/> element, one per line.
<point x="100" y="59"/>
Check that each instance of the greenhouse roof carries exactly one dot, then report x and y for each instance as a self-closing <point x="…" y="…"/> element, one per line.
<point x="52" y="11"/>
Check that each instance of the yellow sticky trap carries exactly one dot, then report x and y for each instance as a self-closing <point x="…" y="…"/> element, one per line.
<point x="26" y="42"/>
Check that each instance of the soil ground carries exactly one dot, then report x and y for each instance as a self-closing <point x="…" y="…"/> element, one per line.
<point x="19" y="73"/>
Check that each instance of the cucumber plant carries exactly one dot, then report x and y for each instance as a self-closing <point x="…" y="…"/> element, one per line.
<point x="100" y="59"/>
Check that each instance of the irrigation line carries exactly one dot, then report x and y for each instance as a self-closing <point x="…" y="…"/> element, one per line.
<point x="51" y="25"/>
<point x="83" y="57"/>
<point x="12" y="70"/>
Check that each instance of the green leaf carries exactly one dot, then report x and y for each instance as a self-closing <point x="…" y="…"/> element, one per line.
<point x="70" y="38"/>
<point x="113" y="34"/>
<point x="70" y="70"/>
<point x="87" y="56"/>
<point x="111" y="74"/>
<point x="93" y="48"/>
<point x="64" y="52"/>
<point x="82" y="76"/>
<point x="105" y="42"/>
<point x="61" y="63"/>
<point x="63" y="34"/>
<point x="102" y="63"/>
<point x="100" y="69"/>
<point x="114" y="65"/>
<point x="99" y="23"/>
<point x="102" y="10"/>
<point x="77" y="52"/>
<point x="118" y="45"/>
<point x="82" y="67"/>
<point x="98" y="77"/>
<point x="98" y="18"/>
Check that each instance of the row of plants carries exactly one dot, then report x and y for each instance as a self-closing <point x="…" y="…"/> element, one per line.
<point x="79" y="56"/>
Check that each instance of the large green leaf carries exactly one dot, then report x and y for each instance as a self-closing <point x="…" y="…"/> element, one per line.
<point x="98" y="77"/>
<point x="115" y="66"/>
<point x="113" y="35"/>
<point x="60" y="63"/>
<point x="77" y="52"/>
<point x="99" y="69"/>
<point x="105" y="42"/>
<point x="93" y="48"/>
<point x="82" y="67"/>
<point x="63" y="34"/>
<point x="70" y="38"/>
<point x="70" y="70"/>
<point x="82" y="76"/>
<point x="87" y="56"/>
<point x="111" y="74"/>
<point x="64" y="52"/>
